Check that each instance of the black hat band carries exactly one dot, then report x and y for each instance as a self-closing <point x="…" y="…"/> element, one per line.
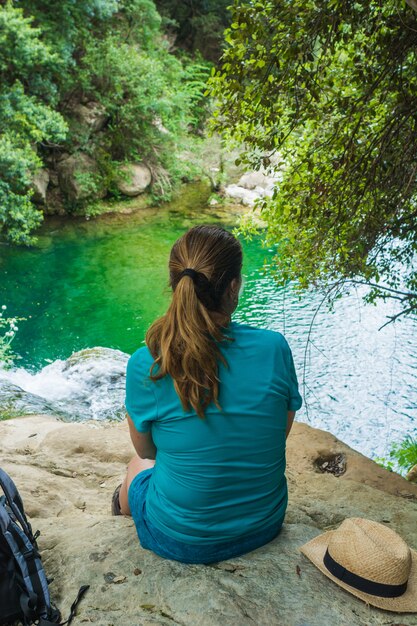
<point x="362" y="584"/>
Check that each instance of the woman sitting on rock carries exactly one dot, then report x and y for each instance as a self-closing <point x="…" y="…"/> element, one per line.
<point x="210" y="403"/>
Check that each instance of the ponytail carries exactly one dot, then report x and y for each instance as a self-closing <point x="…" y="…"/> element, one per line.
<point x="184" y="342"/>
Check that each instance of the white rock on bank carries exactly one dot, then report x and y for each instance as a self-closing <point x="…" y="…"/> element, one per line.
<point x="254" y="180"/>
<point x="253" y="185"/>
<point x="246" y="196"/>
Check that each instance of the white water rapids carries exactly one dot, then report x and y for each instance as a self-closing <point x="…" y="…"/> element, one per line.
<point x="88" y="385"/>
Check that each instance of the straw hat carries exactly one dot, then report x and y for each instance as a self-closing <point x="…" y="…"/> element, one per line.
<point x="370" y="561"/>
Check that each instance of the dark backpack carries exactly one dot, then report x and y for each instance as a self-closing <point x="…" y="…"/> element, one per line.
<point x="24" y="593"/>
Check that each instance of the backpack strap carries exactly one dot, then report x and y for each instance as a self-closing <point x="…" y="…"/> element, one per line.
<point x="73" y="610"/>
<point x="29" y="606"/>
<point x="15" y="502"/>
<point x="4" y="520"/>
<point x="74" y="605"/>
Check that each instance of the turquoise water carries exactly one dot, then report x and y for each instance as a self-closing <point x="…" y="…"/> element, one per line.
<point x="102" y="282"/>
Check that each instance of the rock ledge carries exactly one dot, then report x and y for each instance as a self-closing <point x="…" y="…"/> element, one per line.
<point x="66" y="473"/>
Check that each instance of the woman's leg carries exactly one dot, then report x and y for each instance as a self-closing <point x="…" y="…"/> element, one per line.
<point x="135" y="466"/>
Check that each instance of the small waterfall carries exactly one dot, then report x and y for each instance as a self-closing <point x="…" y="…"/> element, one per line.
<point x="89" y="384"/>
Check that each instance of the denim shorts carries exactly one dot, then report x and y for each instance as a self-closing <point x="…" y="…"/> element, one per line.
<point x="151" y="538"/>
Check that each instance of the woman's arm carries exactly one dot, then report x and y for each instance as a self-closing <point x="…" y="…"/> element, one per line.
<point x="290" y="420"/>
<point x="142" y="442"/>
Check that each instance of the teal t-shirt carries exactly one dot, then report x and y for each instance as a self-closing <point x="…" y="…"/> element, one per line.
<point x="222" y="477"/>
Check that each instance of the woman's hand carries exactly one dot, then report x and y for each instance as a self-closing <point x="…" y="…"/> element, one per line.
<point x="290" y="420"/>
<point x="142" y="442"/>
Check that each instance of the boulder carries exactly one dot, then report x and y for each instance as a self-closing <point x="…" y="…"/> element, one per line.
<point x="15" y="401"/>
<point x="69" y="171"/>
<point x="251" y="180"/>
<point x="40" y="183"/>
<point x="66" y="473"/>
<point x="254" y="185"/>
<point x="91" y="114"/>
<point x="136" y="178"/>
<point x="54" y="198"/>
<point x="245" y="196"/>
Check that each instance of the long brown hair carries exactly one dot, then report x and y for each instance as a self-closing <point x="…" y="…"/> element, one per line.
<point x="184" y="342"/>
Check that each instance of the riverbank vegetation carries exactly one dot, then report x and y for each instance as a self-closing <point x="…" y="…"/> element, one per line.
<point x="88" y="87"/>
<point x="402" y="457"/>
<point x="325" y="92"/>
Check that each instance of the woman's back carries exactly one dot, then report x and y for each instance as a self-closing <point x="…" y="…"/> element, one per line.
<point x="222" y="476"/>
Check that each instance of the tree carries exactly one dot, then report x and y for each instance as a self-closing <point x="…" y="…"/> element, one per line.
<point x="27" y="95"/>
<point x="327" y="92"/>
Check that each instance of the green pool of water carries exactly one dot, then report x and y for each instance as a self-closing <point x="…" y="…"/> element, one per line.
<point x="101" y="282"/>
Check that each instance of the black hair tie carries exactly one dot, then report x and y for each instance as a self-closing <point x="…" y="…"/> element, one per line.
<point x="204" y="289"/>
<point x="190" y="272"/>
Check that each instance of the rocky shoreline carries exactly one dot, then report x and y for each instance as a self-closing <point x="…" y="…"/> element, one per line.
<point x="69" y="178"/>
<point x="66" y="473"/>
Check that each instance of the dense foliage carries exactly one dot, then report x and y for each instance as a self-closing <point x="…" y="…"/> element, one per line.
<point x="55" y="56"/>
<point x="327" y="91"/>
<point x="197" y="24"/>
<point x="27" y="96"/>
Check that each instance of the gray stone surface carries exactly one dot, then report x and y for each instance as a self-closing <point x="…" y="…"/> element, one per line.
<point x="40" y="183"/>
<point x="15" y="401"/>
<point x="69" y="171"/>
<point x="251" y="180"/>
<point x="132" y="586"/>
<point x="253" y="186"/>
<point x="67" y="473"/>
<point x="91" y="114"/>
